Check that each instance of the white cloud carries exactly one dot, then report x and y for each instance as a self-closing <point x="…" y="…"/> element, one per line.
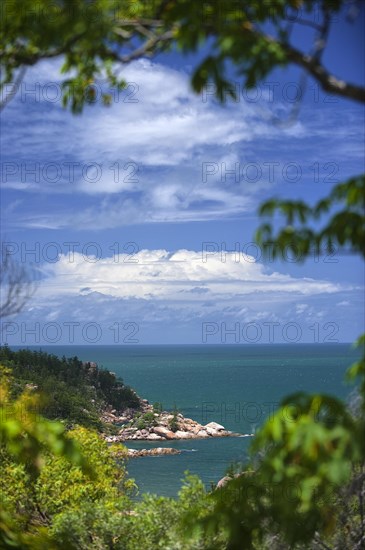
<point x="150" y="153"/>
<point x="301" y="308"/>
<point x="172" y="296"/>
<point x="173" y="276"/>
<point x="156" y="121"/>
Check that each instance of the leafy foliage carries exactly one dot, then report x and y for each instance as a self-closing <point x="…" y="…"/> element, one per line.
<point x="304" y="486"/>
<point x="25" y="440"/>
<point x="157" y="407"/>
<point x="306" y="461"/>
<point x="51" y="475"/>
<point x="59" y="486"/>
<point x="174" y="422"/>
<point x="145" y="420"/>
<point x="357" y="371"/>
<point x="94" y="37"/>
<point x="345" y="230"/>
<point x="155" y="522"/>
<point x="26" y="433"/>
<point x="74" y="391"/>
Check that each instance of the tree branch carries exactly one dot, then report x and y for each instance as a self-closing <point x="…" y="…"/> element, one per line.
<point x="304" y="22"/>
<point x="328" y="81"/>
<point x="4" y="101"/>
<point x="25" y="58"/>
<point x="312" y="65"/>
<point x="17" y="285"/>
<point x="145" y="49"/>
<point x="145" y="27"/>
<point x="321" y="543"/>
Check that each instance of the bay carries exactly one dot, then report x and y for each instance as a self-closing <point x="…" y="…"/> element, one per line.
<point x="238" y="386"/>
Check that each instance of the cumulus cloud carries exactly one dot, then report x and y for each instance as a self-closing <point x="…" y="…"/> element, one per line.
<point x="180" y="276"/>
<point x="173" y="296"/>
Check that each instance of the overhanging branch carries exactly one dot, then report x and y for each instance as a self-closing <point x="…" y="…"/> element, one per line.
<point x="328" y="81"/>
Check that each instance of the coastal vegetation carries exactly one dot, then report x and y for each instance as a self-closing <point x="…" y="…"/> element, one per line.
<point x="173" y="424"/>
<point x="69" y="489"/>
<point x="64" y="487"/>
<point x="73" y="391"/>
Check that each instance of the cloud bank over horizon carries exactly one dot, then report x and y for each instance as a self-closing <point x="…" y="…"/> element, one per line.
<point x="152" y="292"/>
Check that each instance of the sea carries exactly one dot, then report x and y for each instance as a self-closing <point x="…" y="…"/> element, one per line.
<point x="238" y="386"/>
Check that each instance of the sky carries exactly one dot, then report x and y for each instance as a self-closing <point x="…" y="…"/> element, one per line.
<point x="139" y="218"/>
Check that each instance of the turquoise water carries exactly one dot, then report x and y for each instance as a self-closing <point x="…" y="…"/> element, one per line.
<point x="237" y="386"/>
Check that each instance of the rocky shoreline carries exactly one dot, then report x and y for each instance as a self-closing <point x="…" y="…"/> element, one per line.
<point x="148" y="425"/>
<point x="156" y="451"/>
<point x="188" y="429"/>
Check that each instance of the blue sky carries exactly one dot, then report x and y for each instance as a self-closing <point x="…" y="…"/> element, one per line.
<point x="141" y="216"/>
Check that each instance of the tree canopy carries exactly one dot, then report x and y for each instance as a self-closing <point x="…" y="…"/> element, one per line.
<point x="96" y="38"/>
<point x="313" y="448"/>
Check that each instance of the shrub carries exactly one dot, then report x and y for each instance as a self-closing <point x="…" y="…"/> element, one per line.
<point x="174" y="423"/>
<point x="157" y="407"/>
<point x="149" y="419"/>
